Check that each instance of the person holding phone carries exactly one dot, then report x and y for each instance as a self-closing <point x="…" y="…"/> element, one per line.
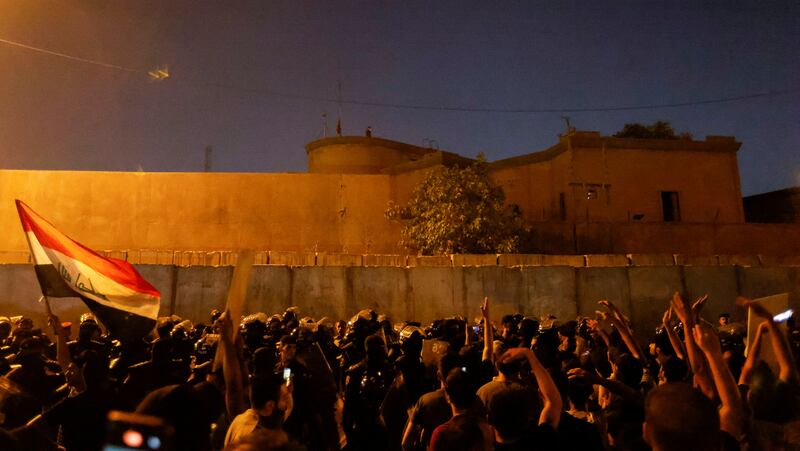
<point x="300" y="424"/>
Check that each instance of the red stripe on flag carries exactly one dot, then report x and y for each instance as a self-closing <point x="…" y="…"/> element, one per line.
<point x="120" y="271"/>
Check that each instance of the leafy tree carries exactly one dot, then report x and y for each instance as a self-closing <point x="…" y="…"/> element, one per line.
<point x="657" y="130"/>
<point x="458" y="210"/>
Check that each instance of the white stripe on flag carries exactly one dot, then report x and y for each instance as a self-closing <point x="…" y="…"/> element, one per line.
<point x="37" y="251"/>
<point x="104" y="290"/>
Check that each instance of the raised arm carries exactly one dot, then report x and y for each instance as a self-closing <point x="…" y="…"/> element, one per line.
<point x="616" y="387"/>
<point x="731" y="413"/>
<point x="62" y="350"/>
<point x="674" y="340"/>
<point x="624" y="329"/>
<point x="597" y="327"/>
<point x="488" y="335"/>
<point x="788" y="370"/>
<point x="551" y="412"/>
<point x="753" y="355"/>
<point x="697" y="362"/>
<point x="231" y="369"/>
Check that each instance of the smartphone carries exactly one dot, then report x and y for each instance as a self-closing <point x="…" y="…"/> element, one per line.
<point x="287" y="375"/>
<point x="129" y="431"/>
<point x="477" y="329"/>
<point x="783" y="316"/>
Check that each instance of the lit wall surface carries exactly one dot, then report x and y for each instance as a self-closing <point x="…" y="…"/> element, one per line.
<point x="204" y="211"/>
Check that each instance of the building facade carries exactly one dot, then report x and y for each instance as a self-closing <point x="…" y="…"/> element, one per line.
<point x="584" y="177"/>
<point x="585" y="194"/>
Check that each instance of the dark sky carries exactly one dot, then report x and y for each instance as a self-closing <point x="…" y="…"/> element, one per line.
<point x="251" y="78"/>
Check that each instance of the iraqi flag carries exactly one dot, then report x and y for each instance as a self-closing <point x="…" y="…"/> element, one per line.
<point x="122" y="300"/>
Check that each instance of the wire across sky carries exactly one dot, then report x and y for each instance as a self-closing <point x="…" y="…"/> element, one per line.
<point x="408" y="106"/>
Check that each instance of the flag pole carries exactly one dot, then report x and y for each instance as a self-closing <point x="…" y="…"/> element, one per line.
<point x="46" y="305"/>
<point x="49" y="313"/>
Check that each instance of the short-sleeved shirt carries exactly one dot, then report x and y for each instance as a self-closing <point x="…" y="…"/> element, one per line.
<point x="495" y="387"/>
<point x="243" y="425"/>
<point x="431" y="411"/>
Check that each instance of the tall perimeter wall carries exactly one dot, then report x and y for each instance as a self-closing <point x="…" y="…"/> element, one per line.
<point x="442" y="287"/>
<point x="141" y="213"/>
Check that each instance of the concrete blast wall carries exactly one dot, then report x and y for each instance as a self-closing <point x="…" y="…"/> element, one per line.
<point x="425" y="293"/>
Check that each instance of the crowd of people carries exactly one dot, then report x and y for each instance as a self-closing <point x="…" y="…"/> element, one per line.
<point x="288" y="382"/>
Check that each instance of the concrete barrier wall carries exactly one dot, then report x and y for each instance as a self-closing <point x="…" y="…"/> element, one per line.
<point x="424" y="293"/>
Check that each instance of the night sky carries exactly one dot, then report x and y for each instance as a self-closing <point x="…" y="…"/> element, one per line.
<point x="253" y="78"/>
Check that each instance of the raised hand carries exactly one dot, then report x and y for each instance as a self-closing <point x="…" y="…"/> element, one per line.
<point x="601" y="315"/>
<point x="488" y="333"/>
<point x="681" y="308"/>
<point x="582" y="374"/>
<point x="615" y="312"/>
<point x="515" y="354"/>
<point x="667" y="318"/>
<point x="697" y="307"/>
<point x="485" y="308"/>
<point x="624" y="327"/>
<point x="706" y="339"/>
<point x="610" y="307"/>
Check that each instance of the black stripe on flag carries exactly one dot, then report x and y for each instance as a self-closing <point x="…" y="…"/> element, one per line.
<point x="124" y="326"/>
<point x="52" y="284"/>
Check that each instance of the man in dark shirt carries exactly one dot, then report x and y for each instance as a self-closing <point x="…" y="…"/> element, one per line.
<point x="680" y="418"/>
<point x="466" y="430"/>
<point x="430" y="411"/>
<point x="575" y="433"/>
<point x="515" y="425"/>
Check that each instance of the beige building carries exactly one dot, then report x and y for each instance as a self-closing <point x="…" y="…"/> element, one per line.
<point x="585" y="177"/>
<point x="585" y="194"/>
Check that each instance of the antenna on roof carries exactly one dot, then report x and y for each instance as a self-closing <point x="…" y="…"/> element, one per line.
<point x="339" y="101"/>
<point x="207" y="162"/>
<point x="324" y="124"/>
<point x="570" y="128"/>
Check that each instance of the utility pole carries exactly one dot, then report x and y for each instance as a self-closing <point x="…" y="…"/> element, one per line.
<point x="207" y="163"/>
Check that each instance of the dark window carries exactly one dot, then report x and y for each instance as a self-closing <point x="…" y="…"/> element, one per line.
<point x="562" y="205"/>
<point x="670" y="206"/>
